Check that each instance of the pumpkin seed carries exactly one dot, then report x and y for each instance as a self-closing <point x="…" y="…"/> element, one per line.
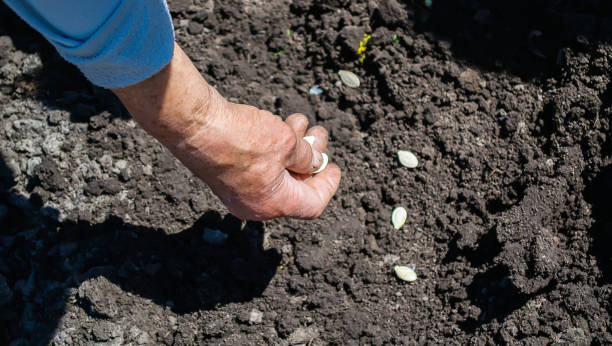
<point x="310" y="139"/>
<point x="405" y="273"/>
<point x="323" y="165"/>
<point x="315" y="90"/>
<point x="398" y="217"/>
<point x="349" y="78"/>
<point x="407" y="159"/>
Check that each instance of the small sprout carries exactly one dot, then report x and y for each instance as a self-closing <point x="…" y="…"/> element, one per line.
<point x="349" y="78"/>
<point x="394" y="39"/>
<point x="407" y="159"/>
<point x="405" y="273"/>
<point x="315" y="90"/>
<point x="282" y="51"/>
<point x="398" y="217"/>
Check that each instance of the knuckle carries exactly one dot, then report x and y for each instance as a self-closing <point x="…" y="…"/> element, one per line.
<point x="288" y="140"/>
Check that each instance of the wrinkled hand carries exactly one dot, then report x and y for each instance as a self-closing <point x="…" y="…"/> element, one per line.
<point x="259" y="165"/>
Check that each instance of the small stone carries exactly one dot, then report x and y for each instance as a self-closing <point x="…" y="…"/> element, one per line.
<point x="62" y="338"/>
<point x="390" y="258"/>
<point x="349" y="78"/>
<point x="303" y="335"/>
<point x="98" y="296"/>
<point x="214" y="237"/>
<point x="120" y="165"/>
<point x="53" y="143"/>
<point x="398" y="217"/>
<point x="255" y="316"/>
<point x="407" y="159"/>
<point x="405" y="273"/>
<point x="195" y="28"/>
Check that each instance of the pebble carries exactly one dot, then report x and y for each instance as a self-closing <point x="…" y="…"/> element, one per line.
<point x="398" y="217"/>
<point x="255" y="316"/>
<point x="349" y="78"/>
<point x="390" y="258"/>
<point x="405" y="273"/>
<point x="407" y="159"/>
<point x="303" y="335"/>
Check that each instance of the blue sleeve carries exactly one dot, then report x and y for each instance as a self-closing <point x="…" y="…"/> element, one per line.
<point x="115" y="43"/>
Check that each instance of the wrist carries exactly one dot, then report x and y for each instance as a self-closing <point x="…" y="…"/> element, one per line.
<point x="173" y="105"/>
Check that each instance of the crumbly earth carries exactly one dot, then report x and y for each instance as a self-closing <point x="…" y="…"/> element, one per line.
<point x="508" y="106"/>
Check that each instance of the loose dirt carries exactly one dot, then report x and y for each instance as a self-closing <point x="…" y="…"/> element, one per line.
<point x="507" y="105"/>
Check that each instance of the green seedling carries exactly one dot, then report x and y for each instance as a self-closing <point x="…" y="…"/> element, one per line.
<point x="394" y="39"/>
<point x="282" y="51"/>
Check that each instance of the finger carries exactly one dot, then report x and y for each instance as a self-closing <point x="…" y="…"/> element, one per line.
<point x="304" y="159"/>
<point x="307" y="199"/>
<point x="298" y="122"/>
<point x="320" y="138"/>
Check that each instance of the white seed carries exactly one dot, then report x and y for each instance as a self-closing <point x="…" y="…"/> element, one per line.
<point x="405" y="273"/>
<point x="398" y="217"/>
<point x="407" y="159"/>
<point x="315" y="90"/>
<point x="323" y="165"/>
<point x="349" y="78"/>
<point x="310" y="139"/>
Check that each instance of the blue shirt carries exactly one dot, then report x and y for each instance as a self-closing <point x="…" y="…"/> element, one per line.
<point x="115" y="43"/>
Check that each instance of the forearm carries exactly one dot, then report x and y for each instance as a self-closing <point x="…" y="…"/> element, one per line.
<point x="173" y="104"/>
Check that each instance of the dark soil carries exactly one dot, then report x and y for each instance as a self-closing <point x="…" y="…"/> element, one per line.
<point x="507" y="104"/>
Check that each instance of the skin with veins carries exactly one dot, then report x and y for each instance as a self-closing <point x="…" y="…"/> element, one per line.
<point x="260" y="166"/>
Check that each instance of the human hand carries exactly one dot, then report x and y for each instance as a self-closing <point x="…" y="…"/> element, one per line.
<point x="259" y="165"/>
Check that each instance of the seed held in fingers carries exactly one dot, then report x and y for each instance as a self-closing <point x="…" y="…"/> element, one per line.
<point x="407" y="159"/>
<point x="398" y="217"/>
<point x="310" y="140"/>
<point x="405" y="273"/>
<point x="323" y="165"/>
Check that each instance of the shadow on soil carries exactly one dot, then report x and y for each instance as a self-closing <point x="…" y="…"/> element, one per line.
<point x="57" y="84"/>
<point x="523" y="37"/>
<point x="43" y="259"/>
